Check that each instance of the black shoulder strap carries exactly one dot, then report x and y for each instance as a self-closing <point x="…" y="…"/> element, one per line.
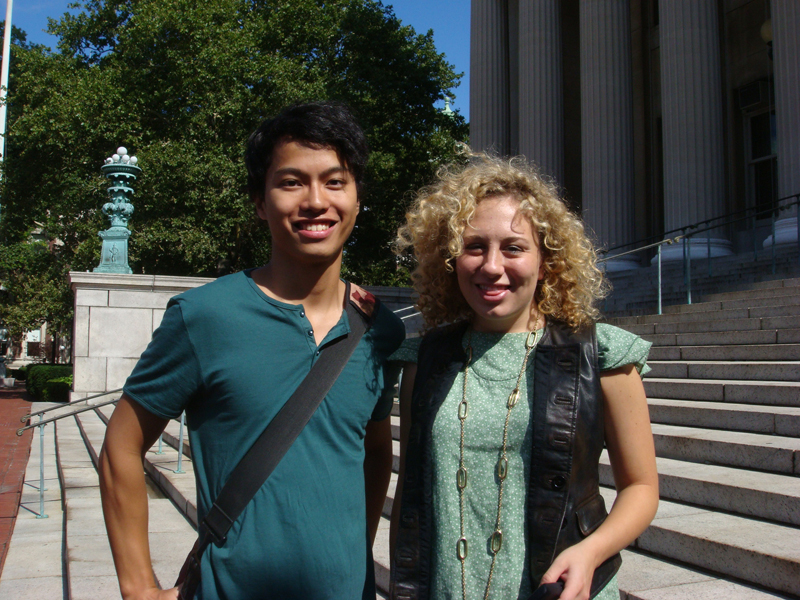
<point x="268" y="450"/>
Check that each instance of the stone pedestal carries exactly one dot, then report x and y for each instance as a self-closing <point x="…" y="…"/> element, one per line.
<point x="114" y="255"/>
<point x="623" y="263"/>
<point x="698" y="247"/>
<point x="785" y="232"/>
<point x="115" y="316"/>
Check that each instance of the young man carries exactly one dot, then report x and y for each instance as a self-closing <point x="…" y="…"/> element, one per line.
<point x="232" y="352"/>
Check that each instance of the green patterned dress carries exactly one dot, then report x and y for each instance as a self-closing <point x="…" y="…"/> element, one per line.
<point x="496" y="363"/>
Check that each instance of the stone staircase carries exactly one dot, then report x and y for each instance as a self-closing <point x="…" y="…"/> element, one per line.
<point x="724" y="398"/>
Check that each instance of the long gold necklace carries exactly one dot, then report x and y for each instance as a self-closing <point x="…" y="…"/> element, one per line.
<point x="496" y="539"/>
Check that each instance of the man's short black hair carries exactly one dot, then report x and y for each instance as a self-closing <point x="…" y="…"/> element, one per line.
<point x="318" y="124"/>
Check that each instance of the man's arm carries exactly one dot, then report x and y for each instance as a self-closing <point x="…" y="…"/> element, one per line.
<point x="131" y="431"/>
<point x="377" y="470"/>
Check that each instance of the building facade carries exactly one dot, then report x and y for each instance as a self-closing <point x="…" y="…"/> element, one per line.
<point x="652" y="115"/>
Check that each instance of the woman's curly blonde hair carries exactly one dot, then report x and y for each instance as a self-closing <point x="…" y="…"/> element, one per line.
<point x="435" y="225"/>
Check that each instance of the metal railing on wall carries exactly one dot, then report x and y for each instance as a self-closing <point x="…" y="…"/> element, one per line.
<point x="684" y="235"/>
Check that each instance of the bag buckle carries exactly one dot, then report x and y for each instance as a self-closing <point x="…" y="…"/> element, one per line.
<point x="216" y="524"/>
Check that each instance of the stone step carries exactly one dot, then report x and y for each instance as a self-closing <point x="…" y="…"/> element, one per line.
<point x="789" y="287"/>
<point x="764" y="285"/>
<point x="772" y="420"/>
<point x="745" y="300"/>
<point x="713" y="311"/>
<point x="774" y="311"/>
<point x="90" y="566"/>
<point x="770" y="453"/>
<point x="645" y="577"/>
<point x="758" y="552"/>
<point x="780" y="393"/>
<point x="778" y="299"/>
<point x="173" y="477"/>
<point x="767" y="496"/>
<point x="750" y="353"/>
<point x="790" y="322"/>
<point x="726" y="338"/>
<point x="639" y="288"/>
<point x="729" y="370"/>
<point x="171" y="536"/>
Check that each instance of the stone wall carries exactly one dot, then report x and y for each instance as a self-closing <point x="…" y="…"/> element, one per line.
<point x="115" y="316"/>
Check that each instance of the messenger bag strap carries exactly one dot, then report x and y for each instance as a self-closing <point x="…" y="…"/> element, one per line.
<point x="273" y="443"/>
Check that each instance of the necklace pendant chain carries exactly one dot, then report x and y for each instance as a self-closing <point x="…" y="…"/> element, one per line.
<point x="513" y="398"/>
<point x="496" y="539"/>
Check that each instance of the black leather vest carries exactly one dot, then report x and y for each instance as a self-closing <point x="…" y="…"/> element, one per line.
<point x="563" y="500"/>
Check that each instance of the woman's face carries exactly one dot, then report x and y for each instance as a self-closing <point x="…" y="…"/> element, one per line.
<point x="500" y="267"/>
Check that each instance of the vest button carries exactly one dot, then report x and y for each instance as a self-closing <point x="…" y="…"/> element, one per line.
<point x="558" y="482"/>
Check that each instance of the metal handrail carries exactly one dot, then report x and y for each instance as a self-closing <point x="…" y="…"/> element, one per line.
<point x="750" y="213"/>
<point x="635" y="250"/>
<point x="78" y="401"/>
<point x="696" y="229"/>
<point x="41" y="422"/>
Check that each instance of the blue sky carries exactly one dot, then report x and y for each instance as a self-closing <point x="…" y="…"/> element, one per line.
<point x="449" y="21"/>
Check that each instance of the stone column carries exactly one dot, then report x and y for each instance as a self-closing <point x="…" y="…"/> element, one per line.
<point x="691" y="100"/>
<point x="786" y="55"/>
<point x="489" y="76"/>
<point x="541" y="118"/>
<point x="607" y="125"/>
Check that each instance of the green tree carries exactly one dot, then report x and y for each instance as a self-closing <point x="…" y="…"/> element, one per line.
<point x="32" y="290"/>
<point x="181" y="84"/>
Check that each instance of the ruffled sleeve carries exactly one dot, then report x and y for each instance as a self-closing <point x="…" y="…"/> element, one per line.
<point x="617" y="348"/>
<point x="408" y="351"/>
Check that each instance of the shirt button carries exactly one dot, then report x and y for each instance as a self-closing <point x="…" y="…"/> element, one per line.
<point x="317" y="352"/>
<point x="310" y="332"/>
<point x="302" y="313"/>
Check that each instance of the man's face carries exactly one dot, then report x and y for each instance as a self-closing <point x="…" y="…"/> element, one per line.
<point x="310" y="202"/>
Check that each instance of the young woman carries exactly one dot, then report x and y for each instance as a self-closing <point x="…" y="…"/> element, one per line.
<point x="505" y="411"/>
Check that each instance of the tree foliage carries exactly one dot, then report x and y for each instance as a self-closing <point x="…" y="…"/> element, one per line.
<point x="181" y="84"/>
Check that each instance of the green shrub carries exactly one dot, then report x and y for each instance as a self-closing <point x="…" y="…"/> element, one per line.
<point x="18" y="374"/>
<point x="38" y="377"/>
<point x="57" y="390"/>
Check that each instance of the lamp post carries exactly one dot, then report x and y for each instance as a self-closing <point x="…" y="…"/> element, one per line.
<point x="122" y="171"/>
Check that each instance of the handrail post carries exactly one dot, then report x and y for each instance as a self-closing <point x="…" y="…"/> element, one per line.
<point x="687" y="268"/>
<point x="160" y="450"/>
<point x="773" y="240"/>
<point x="659" y="278"/>
<point x="41" y="514"/>
<point x="708" y="253"/>
<point x="180" y="446"/>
